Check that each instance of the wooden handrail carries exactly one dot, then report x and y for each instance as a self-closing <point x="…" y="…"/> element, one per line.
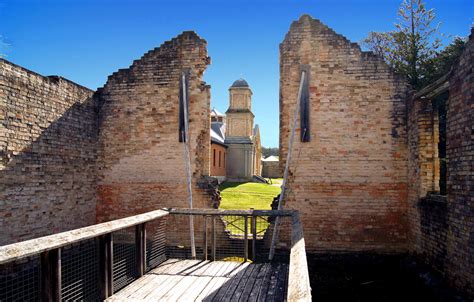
<point x="299" y="288"/>
<point x="16" y="251"/>
<point x="217" y="212"/>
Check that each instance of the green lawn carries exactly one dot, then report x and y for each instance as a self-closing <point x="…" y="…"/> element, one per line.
<point x="244" y="196"/>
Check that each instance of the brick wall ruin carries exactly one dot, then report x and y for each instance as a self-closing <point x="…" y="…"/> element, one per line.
<point x="441" y="226"/>
<point x="47" y="154"/>
<point x="350" y="180"/>
<point x="140" y="159"/>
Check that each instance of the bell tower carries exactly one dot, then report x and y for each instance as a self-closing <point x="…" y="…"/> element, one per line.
<point x="240" y="133"/>
<point x="239" y="115"/>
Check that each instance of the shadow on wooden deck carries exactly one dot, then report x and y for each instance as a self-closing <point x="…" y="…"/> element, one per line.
<point x="197" y="280"/>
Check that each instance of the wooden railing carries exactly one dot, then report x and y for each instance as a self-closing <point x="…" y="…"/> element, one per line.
<point x="49" y="249"/>
<point x="209" y="224"/>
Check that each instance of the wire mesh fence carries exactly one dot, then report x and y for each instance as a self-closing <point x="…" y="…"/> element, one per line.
<point x="139" y="248"/>
<point x="80" y="271"/>
<point x="125" y="258"/>
<point x="155" y="243"/>
<point x="20" y="280"/>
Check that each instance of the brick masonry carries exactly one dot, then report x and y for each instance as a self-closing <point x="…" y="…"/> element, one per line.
<point x="140" y="160"/>
<point x="47" y="154"/>
<point x="442" y="226"/>
<point x="350" y="181"/>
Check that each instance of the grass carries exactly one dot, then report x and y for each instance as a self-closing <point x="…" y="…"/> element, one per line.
<point x="244" y="196"/>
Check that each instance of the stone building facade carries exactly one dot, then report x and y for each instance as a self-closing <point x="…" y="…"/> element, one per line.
<point x="243" y="140"/>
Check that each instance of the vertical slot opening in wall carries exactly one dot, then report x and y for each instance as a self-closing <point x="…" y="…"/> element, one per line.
<point x="304" y="107"/>
<point x="440" y="113"/>
<point x="183" y="101"/>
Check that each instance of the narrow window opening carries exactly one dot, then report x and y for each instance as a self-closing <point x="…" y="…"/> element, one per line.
<point x="304" y="107"/>
<point x="214" y="157"/>
<point x="219" y="159"/>
<point x="440" y="105"/>
<point x="183" y="101"/>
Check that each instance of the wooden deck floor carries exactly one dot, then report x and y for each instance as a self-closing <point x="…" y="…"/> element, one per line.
<point x="196" y="280"/>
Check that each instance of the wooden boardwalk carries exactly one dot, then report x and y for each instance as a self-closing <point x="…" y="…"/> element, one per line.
<point x="197" y="280"/>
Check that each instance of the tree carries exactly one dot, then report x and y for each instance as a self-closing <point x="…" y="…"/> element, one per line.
<point x="266" y="152"/>
<point x="442" y="62"/>
<point x="411" y="46"/>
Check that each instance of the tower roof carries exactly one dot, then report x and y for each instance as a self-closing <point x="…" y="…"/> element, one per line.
<point x="240" y="83"/>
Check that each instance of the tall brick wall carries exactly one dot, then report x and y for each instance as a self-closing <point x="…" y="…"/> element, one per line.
<point x="460" y="156"/>
<point x="47" y="154"/>
<point x="442" y="226"/>
<point x="350" y="181"/>
<point x="140" y="160"/>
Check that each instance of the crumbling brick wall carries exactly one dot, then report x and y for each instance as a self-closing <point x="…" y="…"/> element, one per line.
<point x="350" y="180"/>
<point x="460" y="157"/>
<point x="47" y="154"/>
<point x="140" y="159"/>
<point x="442" y="226"/>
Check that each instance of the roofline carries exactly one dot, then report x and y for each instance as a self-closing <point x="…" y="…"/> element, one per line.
<point x="214" y="141"/>
<point x="50" y="77"/>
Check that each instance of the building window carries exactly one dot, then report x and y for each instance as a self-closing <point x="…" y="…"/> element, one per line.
<point x="214" y="157"/>
<point x="219" y="159"/>
<point x="224" y="159"/>
<point x="439" y="104"/>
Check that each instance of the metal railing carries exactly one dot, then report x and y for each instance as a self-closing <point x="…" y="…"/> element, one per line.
<point x="94" y="262"/>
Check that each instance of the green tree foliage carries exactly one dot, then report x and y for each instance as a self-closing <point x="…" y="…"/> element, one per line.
<point x="442" y="62"/>
<point x="411" y="47"/>
<point x="266" y="152"/>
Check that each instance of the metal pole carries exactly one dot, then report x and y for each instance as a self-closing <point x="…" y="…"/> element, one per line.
<point x="287" y="164"/>
<point x="246" y="238"/>
<point x="213" y="237"/>
<point x="254" y="237"/>
<point x="187" y="162"/>
<point x="205" y="237"/>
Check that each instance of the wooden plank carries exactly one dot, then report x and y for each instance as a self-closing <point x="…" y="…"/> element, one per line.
<point x="138" y="290"/>
<point x="266" y="285"/>
<point x="203" y="276"/>
<point x="275" y="291"/>
<point x="220" y="286"/>
<point x="239" y="289"/>
<point x="250" y="283"/>
<point x="211" y="289"/>
<point x="229" y="287"/>
<point x="219" y="212"/>
<point x="272" y="288"/>
<point x="253" y="296"/>
<point x="195" y="289"/>
<point x="174" y="276"/>
<point x="36" y="246"/>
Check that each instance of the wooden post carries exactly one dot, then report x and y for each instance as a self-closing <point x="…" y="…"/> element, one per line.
<point x="140" y="242"/>
<point x="106" y="262"/>
<point x="205" y="237"/>
<point x="246" y="238"/>
<point x="51" y="275"/>
<point x="254" y="238"/>
<point x="214" y="238"/>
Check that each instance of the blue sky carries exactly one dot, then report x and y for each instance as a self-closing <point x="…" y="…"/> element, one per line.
<point x="85" y="41"/>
